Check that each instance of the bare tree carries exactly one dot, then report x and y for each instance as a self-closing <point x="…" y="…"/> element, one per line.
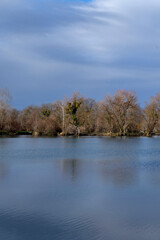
<point x="29" y="118"/>
<point x="12" y="123"/>
<point x="151" y="115"/>
<point x="59" y="109"/>
<point x="86" y="115"/>
<point x="5" y="100"/>
<point x="122" y="112"/>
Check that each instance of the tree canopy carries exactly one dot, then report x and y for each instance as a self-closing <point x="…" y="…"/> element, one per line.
<point x="117" y="115"/>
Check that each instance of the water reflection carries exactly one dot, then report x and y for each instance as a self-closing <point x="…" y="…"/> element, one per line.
<point x="71" y="167"/>
<point x="3" y="170"/>
<point x="118" y="172"/>
<point x="79" y="189"/>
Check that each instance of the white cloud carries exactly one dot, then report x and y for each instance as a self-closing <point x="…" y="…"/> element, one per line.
<point x="104" y="42"/>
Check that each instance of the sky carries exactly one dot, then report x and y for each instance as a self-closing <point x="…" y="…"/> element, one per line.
<point x="51" y="48"/>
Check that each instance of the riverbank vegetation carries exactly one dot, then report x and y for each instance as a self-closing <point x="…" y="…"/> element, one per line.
<point x="117" y="115"/>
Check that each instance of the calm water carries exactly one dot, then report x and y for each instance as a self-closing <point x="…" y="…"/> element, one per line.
<point x="91" y="188"/>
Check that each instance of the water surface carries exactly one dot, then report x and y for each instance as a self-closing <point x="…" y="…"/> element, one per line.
<point x="79" y="188"/>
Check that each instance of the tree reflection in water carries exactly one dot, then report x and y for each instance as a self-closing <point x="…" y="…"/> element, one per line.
<point x="119" y="172"/>
<point x="3" y="170"/>
<point x="71" y="167"/>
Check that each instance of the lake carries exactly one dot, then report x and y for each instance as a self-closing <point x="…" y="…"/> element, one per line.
<point x="87" y="188"/>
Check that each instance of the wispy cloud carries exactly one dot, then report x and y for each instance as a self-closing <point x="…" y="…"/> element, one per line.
<point x="50" y="48"/>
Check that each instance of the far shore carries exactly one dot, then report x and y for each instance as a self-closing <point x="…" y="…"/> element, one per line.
<point x="36" y="134"/>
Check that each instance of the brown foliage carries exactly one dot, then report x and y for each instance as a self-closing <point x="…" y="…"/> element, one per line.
<point x="151" y="115"/>
<point x="122" y="112"/>
<point x="119" y="114"/>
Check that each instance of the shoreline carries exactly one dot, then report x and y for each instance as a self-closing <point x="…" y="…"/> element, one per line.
<point x="35" y="134"/>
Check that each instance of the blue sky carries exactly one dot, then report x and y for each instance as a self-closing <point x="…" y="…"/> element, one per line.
<point x="50" y="48"/>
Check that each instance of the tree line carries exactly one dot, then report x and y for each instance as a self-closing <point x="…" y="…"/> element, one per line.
<point x="117" y="115"/>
